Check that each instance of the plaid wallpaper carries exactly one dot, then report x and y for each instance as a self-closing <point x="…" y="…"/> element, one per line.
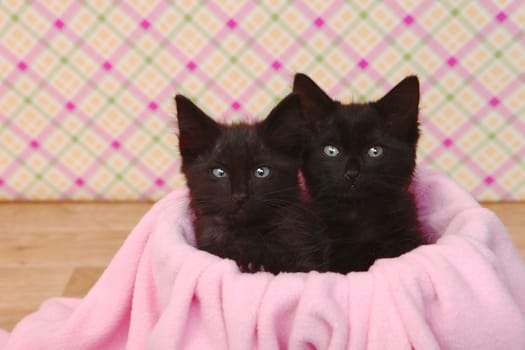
<point x="86" y="94"/>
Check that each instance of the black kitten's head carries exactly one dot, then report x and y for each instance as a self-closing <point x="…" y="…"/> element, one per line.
<point x="360" y="150"/>
<point x="241" y="172"/>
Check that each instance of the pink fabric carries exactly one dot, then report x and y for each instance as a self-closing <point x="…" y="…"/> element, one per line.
<point x="465" y="291"/>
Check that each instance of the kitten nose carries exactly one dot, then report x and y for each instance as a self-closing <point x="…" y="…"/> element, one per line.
<point x="351" y="174"/>
<point x="239" y="197"/>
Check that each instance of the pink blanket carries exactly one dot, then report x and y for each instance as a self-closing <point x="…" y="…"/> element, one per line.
<point x="466" y="290"/>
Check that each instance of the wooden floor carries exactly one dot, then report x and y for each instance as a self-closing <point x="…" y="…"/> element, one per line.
<point x="60" y="249"/>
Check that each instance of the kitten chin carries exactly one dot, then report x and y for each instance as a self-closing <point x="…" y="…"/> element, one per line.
<point x="244" y="188"/>
<point x="357" y="168"/>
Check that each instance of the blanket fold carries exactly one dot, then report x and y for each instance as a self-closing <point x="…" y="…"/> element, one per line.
<point x="463" y="290"/>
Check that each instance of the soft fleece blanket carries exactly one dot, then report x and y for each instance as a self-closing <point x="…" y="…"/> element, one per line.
<point x="465" y="290"/>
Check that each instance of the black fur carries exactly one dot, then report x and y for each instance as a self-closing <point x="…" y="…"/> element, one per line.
<point x="363" y="201"/>
<point x="258" y="222"/>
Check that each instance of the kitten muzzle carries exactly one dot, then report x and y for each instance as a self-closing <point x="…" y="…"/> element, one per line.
<point x="351" y="175"/>
<point x="239" y="198"/>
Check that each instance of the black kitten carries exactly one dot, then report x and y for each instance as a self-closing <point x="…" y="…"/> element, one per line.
<point x="357" y="169"/>
<point x="244" y="188"/>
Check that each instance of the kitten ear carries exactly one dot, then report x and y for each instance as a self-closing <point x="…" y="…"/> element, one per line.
<point x="197" y="131"/>
<point x="285" y="128"/>
<point x="314" y="101"/>
<point x="400" y="108"/>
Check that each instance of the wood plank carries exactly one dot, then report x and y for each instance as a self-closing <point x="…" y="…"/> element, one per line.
<point x="64" y="234"/>
<point x="512" y="215"/>
<point x="81" y="281"/>
<point x="23" y="289"/>
<point x="57" y="249"/>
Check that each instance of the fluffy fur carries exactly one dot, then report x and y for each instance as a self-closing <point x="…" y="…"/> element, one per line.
<point x="357" y="169"/>
<point x="244" y="188"/>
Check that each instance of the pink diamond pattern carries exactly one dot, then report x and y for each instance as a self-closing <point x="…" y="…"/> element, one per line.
<point x="341" y="65"/>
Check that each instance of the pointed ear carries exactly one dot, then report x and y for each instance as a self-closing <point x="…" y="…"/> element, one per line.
<point x="197" y="131"/>
<point x="314" y="101"/>
<point x="400" y="106"/>
<point x="285" y="129"/>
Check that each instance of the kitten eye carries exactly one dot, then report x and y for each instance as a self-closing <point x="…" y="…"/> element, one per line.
<point x="262" y="172"/>
<point x="375" y="152"/>
<point x="218" y="172"/>
<point x="330" y="151"/>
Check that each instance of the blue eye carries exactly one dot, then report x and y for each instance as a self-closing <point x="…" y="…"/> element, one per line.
<point x="262" y="172"/>
<point x="375" y="152"/>
<point x="218" y="172"/>
<point x="330" y="151"/>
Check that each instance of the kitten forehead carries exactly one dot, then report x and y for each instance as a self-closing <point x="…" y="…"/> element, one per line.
<point x="355" y="122"/>
<point x="357" y="113"/>
<point x="239" y="140"/>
